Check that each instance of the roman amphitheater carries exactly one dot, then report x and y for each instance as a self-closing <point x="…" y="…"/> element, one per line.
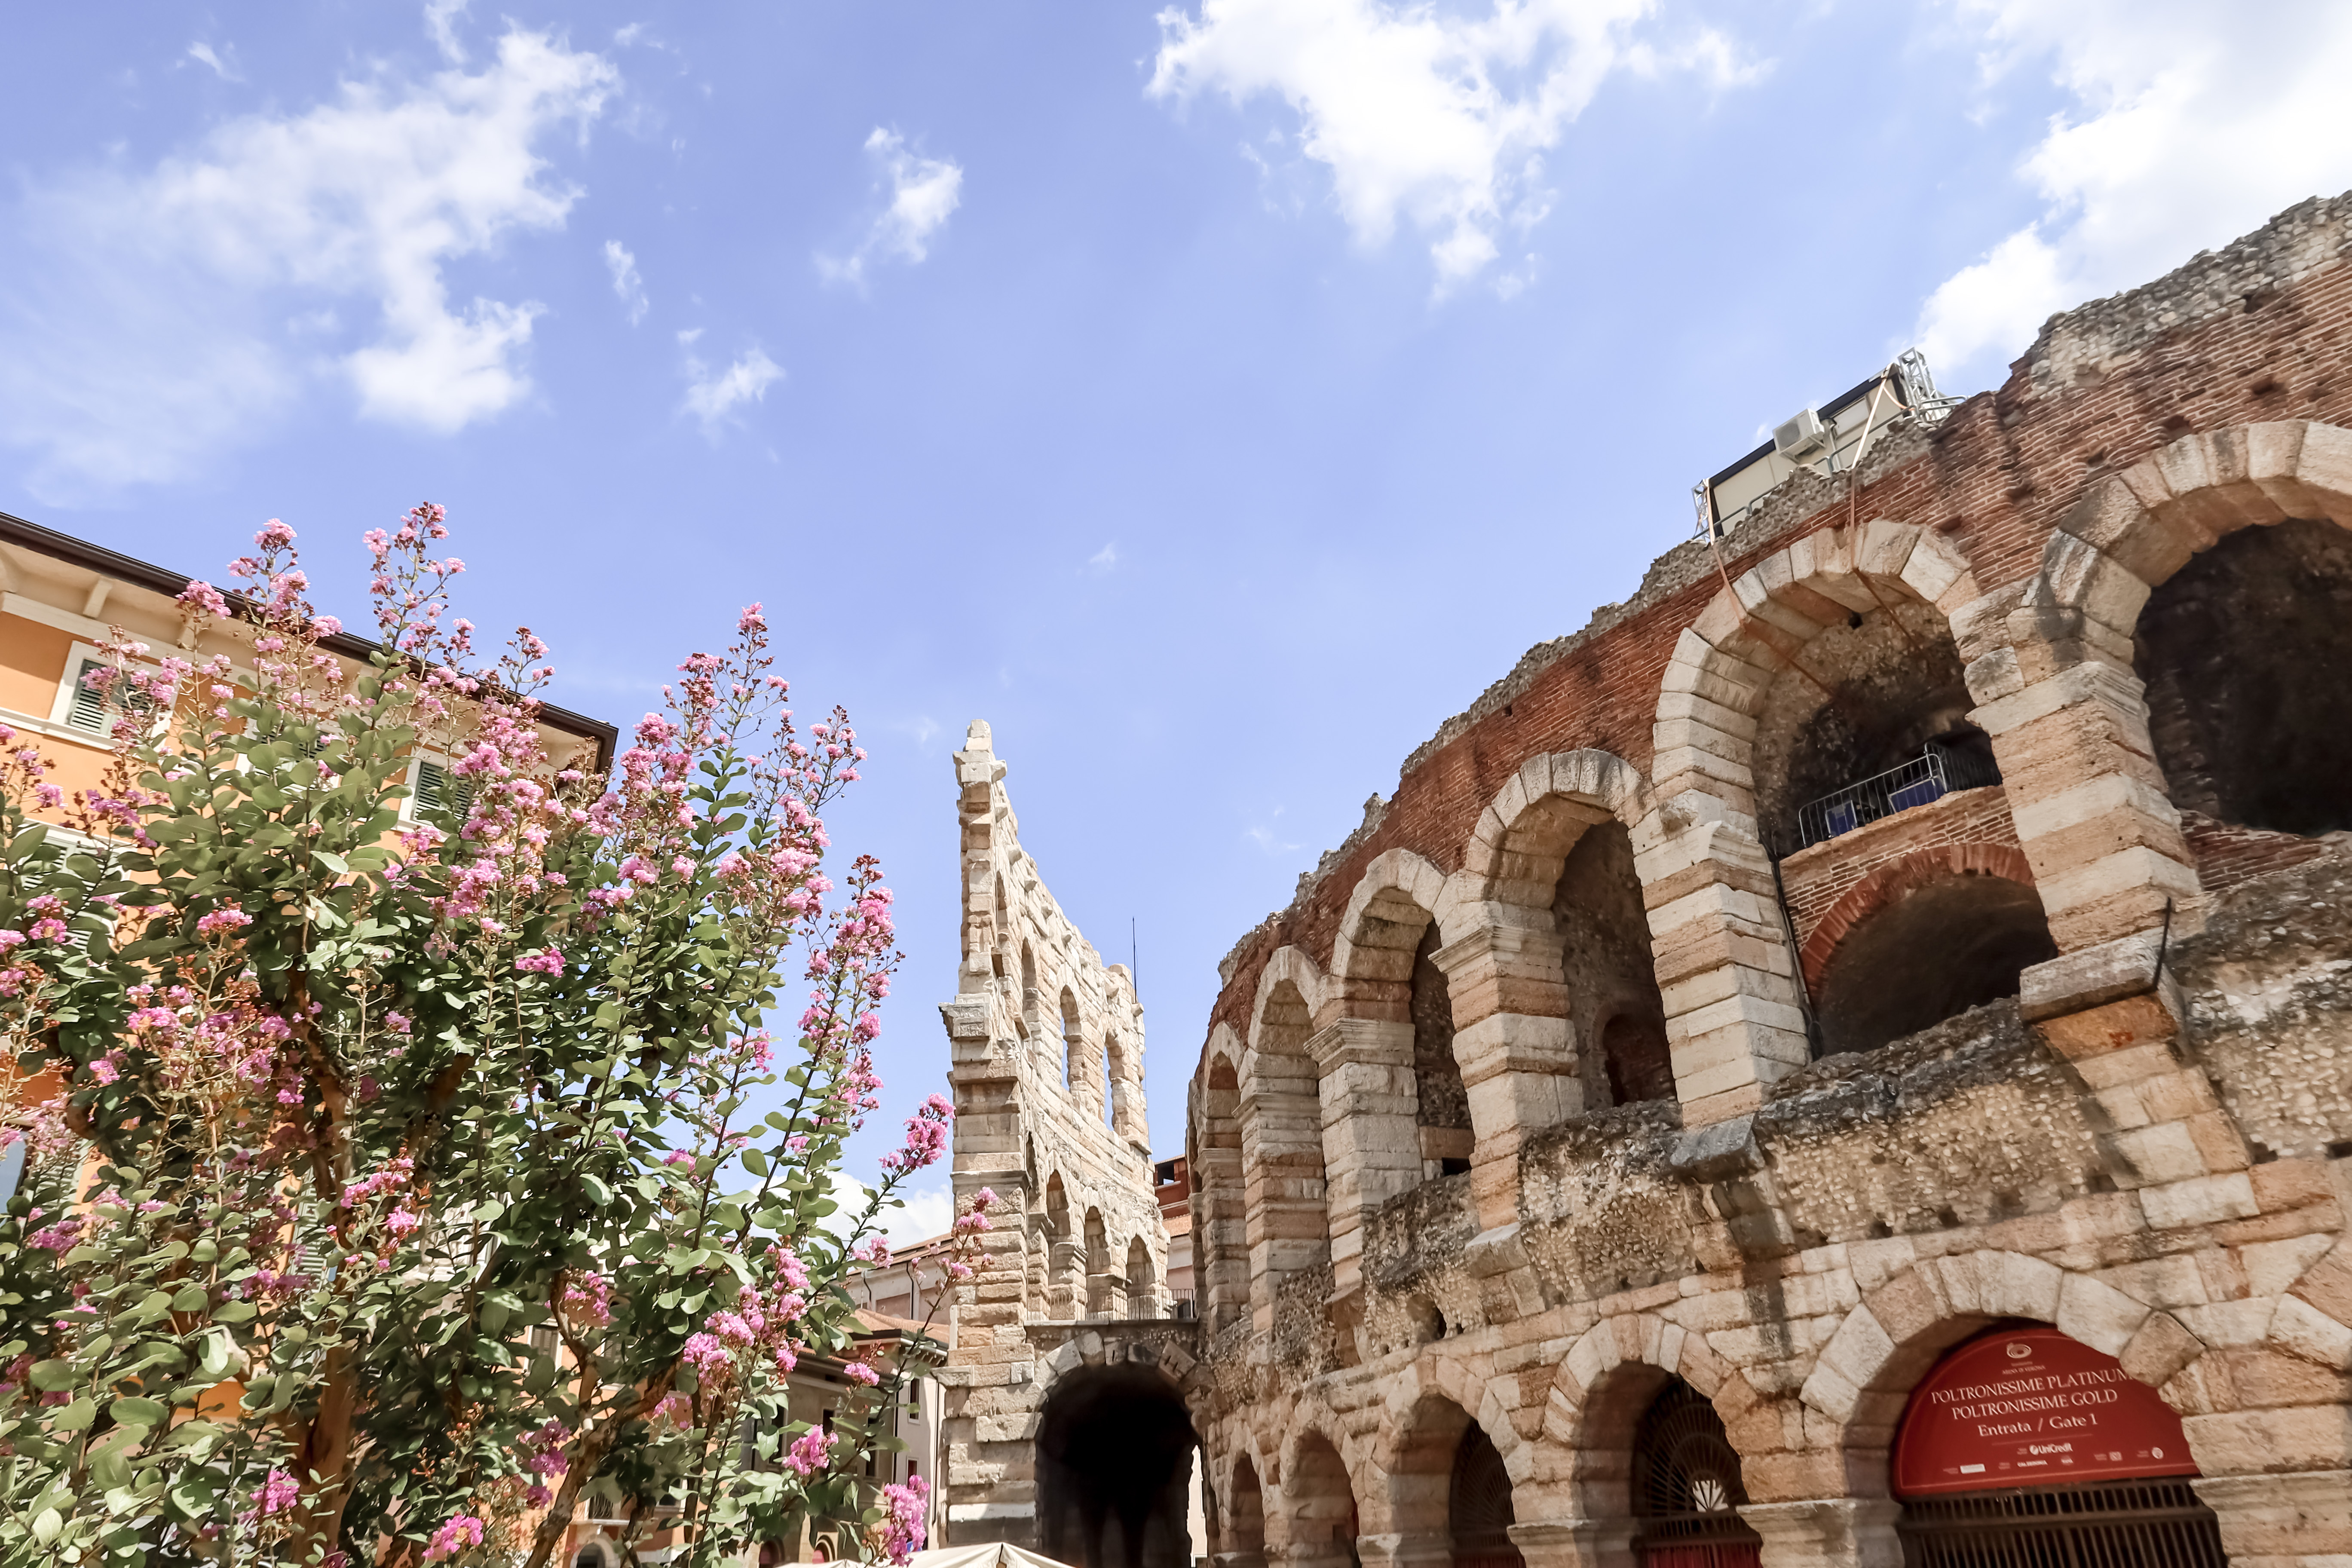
<point x="1847" y="1060"/>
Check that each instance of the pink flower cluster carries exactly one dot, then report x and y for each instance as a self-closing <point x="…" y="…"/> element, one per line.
<point x="550" y="961"/>
<point x="227" y="919"/>
<point x="277" y="1494"/>
<point x="462" y="1531"/>
<point x="926" y="1138"/>
<point x="811" y="1454"/>
<point x="906" y="1507"/>
<point x="587" y="1301"/>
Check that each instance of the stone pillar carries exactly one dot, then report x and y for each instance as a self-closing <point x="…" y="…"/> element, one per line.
<point x="1576" y="1544"/>
<point x="1287" y="1214"/>
<point x="1516" y="1050"/>
<point x="1371" y="1150"/>
<point x="1417" y="1550"/>
<point x="1105" y="1296"/>
<point x="2161" y="1131"/>
<point x="2083" y="786"/>
<point x="1828" y="1532"/>
<point x="1734" y="1020"/>
<point x="2300" y="1519"/>
<point x="1068" y="1271"/>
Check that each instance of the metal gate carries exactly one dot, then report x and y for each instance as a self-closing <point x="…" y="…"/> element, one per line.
<point x="2108" y="1524"/>
<point x="1687" y="1487"/>
<point x="1479" y="1505"/>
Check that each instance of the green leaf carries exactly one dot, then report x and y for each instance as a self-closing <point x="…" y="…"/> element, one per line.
<point x="192" y="1297"/>
<point x="50" y="1376"/>
<point x="134" y="1412"/>
<point x="76" y="1417"/>
<point x="233" y="1312"/>
<point x="47" y="1525"/>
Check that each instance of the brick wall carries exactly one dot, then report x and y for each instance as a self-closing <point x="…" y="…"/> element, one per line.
<point x="1817" y="877"/>
<point x="2260" y="330"/>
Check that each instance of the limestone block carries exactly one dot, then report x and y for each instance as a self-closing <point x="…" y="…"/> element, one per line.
<point x="1933" y="567"/>
<point x="2294" y="1520"/>
<point x="2200" y="1200"/>
<point x="2251" y="1441"/>
<point x="2110" y="519"/>
<point x="2098" y="1314"/>
<point x="1886" y="547"/>
<point x="2303" y="1330"/>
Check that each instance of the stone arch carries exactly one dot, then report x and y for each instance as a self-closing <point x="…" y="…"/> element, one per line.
<point x="1526" y="832"/>
<point x="1220" y="1216"/>
<point x="1735" y="1019"/>
<point x="1073" y="1043"/>
<point x="1422" y="1437"/>
<point x="2105" y="841"/>
<point x="1286" y="1203"/>
<point x="1398" y="894"/>
<point x="1242" y="1514"/>
<point x="1923" y="938"/>
<point x="1887" y="1341"/>
<point x="1115" y="1448"/>
<point x="1142" y="1284"/>
<point x="1321" y="1512"/>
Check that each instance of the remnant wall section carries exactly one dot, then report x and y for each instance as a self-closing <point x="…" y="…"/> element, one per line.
<point x="1046" y="1044"/>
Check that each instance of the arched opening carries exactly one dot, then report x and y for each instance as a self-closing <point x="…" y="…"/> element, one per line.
<point x="1141" y="1294"/>
<point x="1685" y="1487"/>
<point x="1244" y="1517"/>
<point x="1220" y="1227"/>
<point x="1937" y="947"/>
<point x="1074" y="1048"/>
<point x="1114" y="1468"/>
<point x="1613" y="976"/>
<point x="1319" y="1508"/>
<point x="1479" y="1505"/>
<point x="1871" y="720"/>
<point x="2097" y="1471"/>
<point x="2247" y="655"/>
<point x="1443" y="1113"/>
<point x="1288" y="1214"/>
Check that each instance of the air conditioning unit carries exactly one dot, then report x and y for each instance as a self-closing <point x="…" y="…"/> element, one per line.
<point x="1800" y="439"/>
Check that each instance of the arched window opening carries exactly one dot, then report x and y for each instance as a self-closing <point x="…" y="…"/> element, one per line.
<point x="1065" y="1256"/>
<point x="2121" y="1491"/>
<point x="1871" y="721"/>
<point x="1479" y="1505"/>
<point x="1074" y="1048"/>
<point x="2247" y="654"/>
<point x="1220" y="1228"/>
<point x="1611" y="974"/>
<point x="1687" y="1487"/>
<point x="1114" y="1468"/>
<point x="1244" y="1516"/>
<point x="1444" y="1114"/>
<point x="1951" y="944"/>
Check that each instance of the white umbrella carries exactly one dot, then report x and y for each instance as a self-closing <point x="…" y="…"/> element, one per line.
<point x="989" y="1554"/>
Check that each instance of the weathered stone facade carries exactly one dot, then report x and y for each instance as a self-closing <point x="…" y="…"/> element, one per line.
<point x="2088" y="1029"/>
<point x="1072" y="1308"/>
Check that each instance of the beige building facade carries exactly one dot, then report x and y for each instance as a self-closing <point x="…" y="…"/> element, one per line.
<point x="1912" y="934"/>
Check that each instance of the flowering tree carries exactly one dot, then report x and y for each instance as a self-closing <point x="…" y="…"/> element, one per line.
<point x="399" y="1185"/>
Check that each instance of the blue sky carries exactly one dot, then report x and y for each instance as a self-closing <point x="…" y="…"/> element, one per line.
<point x="1212" y="398"/>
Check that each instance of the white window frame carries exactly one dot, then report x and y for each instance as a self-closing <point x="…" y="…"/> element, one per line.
<point x="414" y="775"/>
<point x="77" y="654"/>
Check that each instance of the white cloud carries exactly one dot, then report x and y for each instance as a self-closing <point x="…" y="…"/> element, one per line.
<point x="714" y="398"/>
<point x="1436" y="118"/>
<point x="441" y="26"/>
<point x="630" y="287"/>
<point x="151" y="319"/>
<point x="1103" y="560"/>
<point x="2189" y="125"/>
<point x="203" y="54"/>
<point x="928" y="1212"/>
<point x="923" y="193"/>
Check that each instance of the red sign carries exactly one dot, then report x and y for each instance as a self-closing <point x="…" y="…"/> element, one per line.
<point x="2032" y="1408"/>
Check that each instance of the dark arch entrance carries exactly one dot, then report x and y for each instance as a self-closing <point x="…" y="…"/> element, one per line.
<point x="1479" y="1505"/>
<point x="1687" y="1487"/>
<point x="1950" y="944"/>
<point x="1114" y="1466"/>
<point x="2025" y="1448"/>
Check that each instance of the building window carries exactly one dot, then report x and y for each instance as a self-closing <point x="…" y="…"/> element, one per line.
<point x="433" y="789"/>
<point x="81" y="706"/>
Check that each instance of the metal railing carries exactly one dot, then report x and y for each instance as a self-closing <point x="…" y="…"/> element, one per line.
<point x="1922" y="781"/>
